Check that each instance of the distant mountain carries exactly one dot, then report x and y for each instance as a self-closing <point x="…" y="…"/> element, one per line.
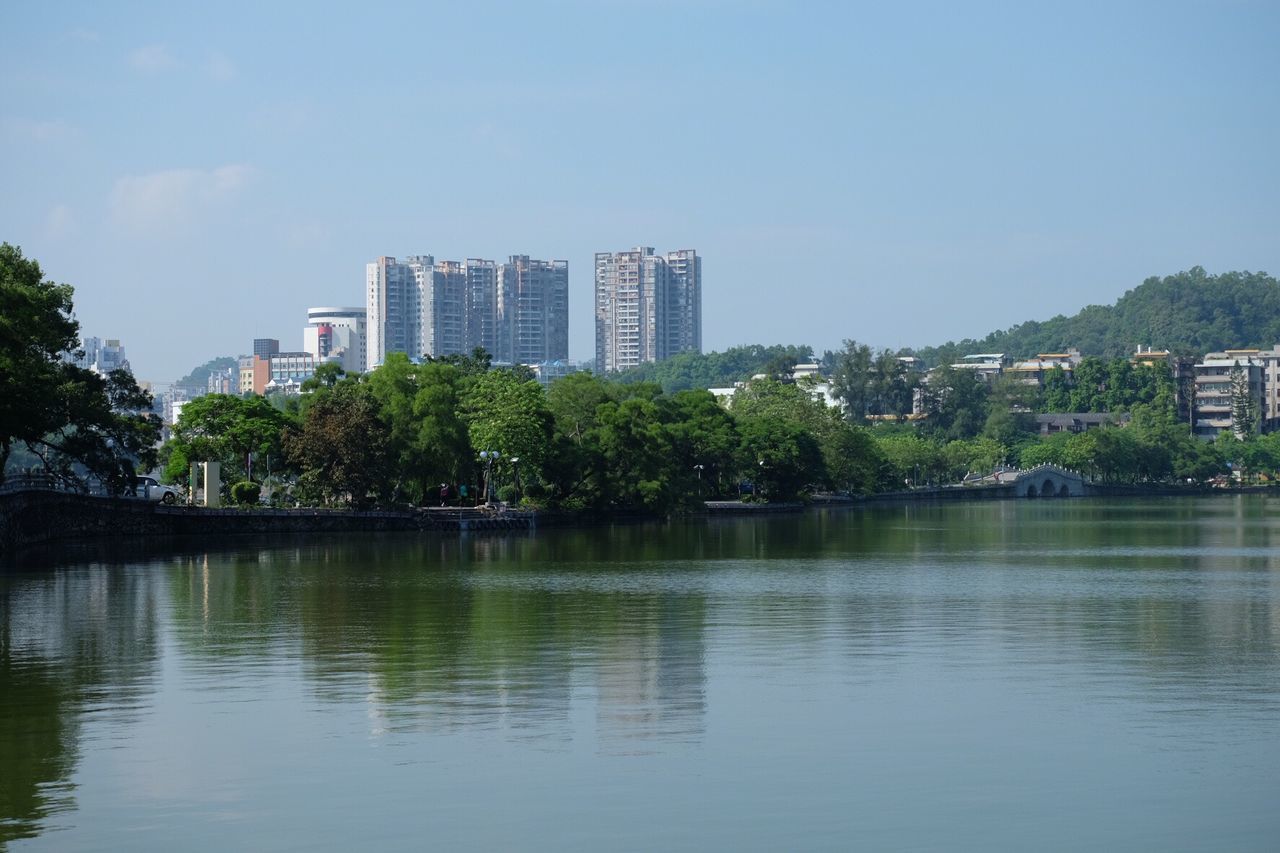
<point x="1189" y="314"/>
<point x="199" y="376"/>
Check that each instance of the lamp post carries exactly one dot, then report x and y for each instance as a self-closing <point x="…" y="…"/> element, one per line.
<point x="515" y="475"/>
<point x="761" y="477"/>
<point x="488" y="457"/>
<point x="699" y="468"/>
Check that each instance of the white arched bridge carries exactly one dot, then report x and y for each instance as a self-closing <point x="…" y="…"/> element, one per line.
<point x="1045" y="481"/>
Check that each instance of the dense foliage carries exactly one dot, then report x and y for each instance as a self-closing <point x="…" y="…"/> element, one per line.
<point x="695" y="370"/>
<point x="70" y="422"/>
<point x="411" y="433"/>
<point x="1190" y="313"/>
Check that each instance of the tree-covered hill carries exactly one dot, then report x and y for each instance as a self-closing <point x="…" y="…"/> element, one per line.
<point x="1189" y="313"/>
<point x="199" y="376"/>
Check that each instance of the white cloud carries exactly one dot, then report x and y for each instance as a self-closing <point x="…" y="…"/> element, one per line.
<point x="220" y="67"/>
<point x="152" y="59"/>
<point x="175" y="196"/>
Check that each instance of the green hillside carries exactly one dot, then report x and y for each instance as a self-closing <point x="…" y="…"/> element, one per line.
<point x="1189" y="313"/>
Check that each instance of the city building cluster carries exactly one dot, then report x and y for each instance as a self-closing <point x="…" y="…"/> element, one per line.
<point x="648" y="307"/>
<point x="1203" y="386"/>
<point x="516" y="311"/>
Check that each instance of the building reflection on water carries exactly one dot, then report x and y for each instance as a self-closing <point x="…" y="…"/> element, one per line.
<point x="609" y="634"/>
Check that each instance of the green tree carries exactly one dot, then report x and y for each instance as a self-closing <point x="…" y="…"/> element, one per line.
<point x="637" y="466"/>
<point x="912" y="460"/>
<point x="507" y="413"/>
<point x="1056" y="396"/>
<point x="1244" y="408"/>
<point x="326" y="376"/>
<point x="704" y="438"/>
<point x="782" y="458"/>
<point x="976" y="456"/>
<point x="1051" y="450"/>
<point x="70" y="418"/>
<point x="955" y="401"/>
<point x="342" y="449"/>
<point x="427" y="437"/>
<point x="229" y="430"/>
<point x="852" y="370"/>
<point x="854" y="461"/>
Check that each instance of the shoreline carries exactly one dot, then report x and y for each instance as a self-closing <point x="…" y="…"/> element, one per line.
<point x="32" y="522"/>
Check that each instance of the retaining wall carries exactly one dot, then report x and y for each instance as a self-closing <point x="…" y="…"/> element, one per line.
<point x="38" y="517"/>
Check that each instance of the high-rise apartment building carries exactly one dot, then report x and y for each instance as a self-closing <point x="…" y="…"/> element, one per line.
<point x="648" y="306"/>
<point x="393" y="316"/>
<point x="336" y="334"/>
<point x="99" y="355"/>
<point x="517" y="311"/>
<point x="442" y="296"/>
<point x="533" y="311"/>
<point x="482" y="304"/>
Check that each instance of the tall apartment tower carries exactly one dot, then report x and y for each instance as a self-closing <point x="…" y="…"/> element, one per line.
<point x="517" y="311"/>
<point x="648" y="306"/>
<point x="481" y="294"/>
<point x="442" y="295"/>
<point x="392" y="308"/>
<point x="533" y="311"/>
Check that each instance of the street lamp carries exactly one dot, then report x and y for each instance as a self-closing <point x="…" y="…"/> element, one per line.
<point x="488" y="457"/>
<point x="761" y="477"/>
<point x="699" y="468"/>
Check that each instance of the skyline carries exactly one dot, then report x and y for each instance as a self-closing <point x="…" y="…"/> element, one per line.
<point x="202" y="182"/>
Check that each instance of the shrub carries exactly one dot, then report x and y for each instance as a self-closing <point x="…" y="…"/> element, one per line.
<point x="507" y="494"/>
<point x="535" y="491"/>
<point x="246" y="493"/>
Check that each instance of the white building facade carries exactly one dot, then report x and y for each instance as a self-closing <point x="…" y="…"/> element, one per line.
<point x="337" y="335"/>
<point x="101" y="355"/>
<point x="393" y="315"/>
<point x="533" y="311"/>
<point x="517" y="311"/>
<point x="648" y="306"/>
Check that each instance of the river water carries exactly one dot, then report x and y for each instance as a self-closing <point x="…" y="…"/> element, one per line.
<point x="1054" y="675"/>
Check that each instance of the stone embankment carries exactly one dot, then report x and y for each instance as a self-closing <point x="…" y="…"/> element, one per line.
<point x="37" y="517"/>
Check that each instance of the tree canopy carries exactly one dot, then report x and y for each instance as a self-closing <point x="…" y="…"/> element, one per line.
<point x="693" y="370"/>
<point x="74" y="421"/>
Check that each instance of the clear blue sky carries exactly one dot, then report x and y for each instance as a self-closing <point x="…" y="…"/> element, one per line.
<point x="897" y="173"/>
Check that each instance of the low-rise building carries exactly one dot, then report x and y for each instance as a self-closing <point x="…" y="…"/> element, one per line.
<point x="1034" y="370"/>
<point x="809" y="376"/>
<point x="224" y="381"/>
<point x="296" y="367"/>
<point x="1057" y="422"/>
<point x="549" y="371"/>
<point x="986" y="365"/>
<point x="1213" y="392"/>
<point x="255" y="373"/>
<point x="336" y="334"/>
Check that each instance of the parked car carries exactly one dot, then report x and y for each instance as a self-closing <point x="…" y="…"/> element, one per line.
<point x="149" y="489"/>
